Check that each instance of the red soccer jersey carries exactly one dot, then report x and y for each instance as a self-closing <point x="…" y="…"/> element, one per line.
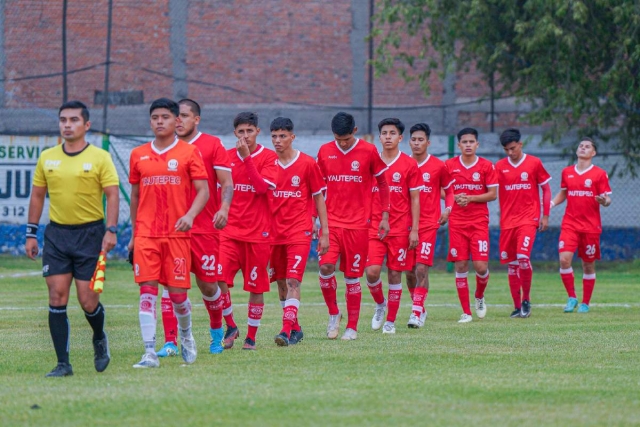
<point x="472" y="180"/>
<point x="250" y="213"/>
<point x="214" y="156"/>
<point x="519" y="192"/>
<point x="165" y="178"/>
<point x="297" y="183"/>
<point x="402" y="175"/>
<point x="583" y="211"/>
<point x="435" y="176"/>
<point x="349" y="176"/>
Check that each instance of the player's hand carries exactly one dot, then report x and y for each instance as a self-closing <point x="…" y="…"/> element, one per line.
<point x="314" y="227"/>
<point x="444" y="218"/>
<point x="383" y="228"/>
<point x="109" y="241"/>
<point x="184" y="224"/>
<point x="544" y="223"/>
<point x="462" y="199"/>
<point x="602" y="199"/>
<point x="413" y="239"/>
<point x="243" y="148"/>
<point x="220" y="219"/>
<point x="323" y="244"/>
<point x="31" y="248"/>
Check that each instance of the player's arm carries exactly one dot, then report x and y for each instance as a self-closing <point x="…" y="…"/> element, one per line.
<point x="36" y="204"/>
<point x="449" y="200"/>
<point x="604" y="200"/>
<point x="321" y="210"/>
<point x="226" y="191"/>
<point x="383" y="189"/>
<point x="546" y="206"/>
<point x="559" y="199"/>
<point x="489" y="196"/>
<point x="113" y="208"/>
<point x="202" y="195"/>
<point x="133" y="211"/>
<point x="415" y="218"/>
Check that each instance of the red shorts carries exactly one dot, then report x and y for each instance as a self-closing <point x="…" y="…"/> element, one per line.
<point x="288" y="261"/>
<point x="205" y="263"/>
<point x="163" y="259"/>
<point x="351" y="247"/>
<point x="426" y="246"/>
<point x="587" y="244"/>
<point x="395" y="248"/>
<point x="468" y="239"/>
<point x="516" y="241"/>
<point x="251" y="258"/>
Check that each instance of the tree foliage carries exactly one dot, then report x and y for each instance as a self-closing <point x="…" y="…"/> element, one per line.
<point x="576" y="62"/>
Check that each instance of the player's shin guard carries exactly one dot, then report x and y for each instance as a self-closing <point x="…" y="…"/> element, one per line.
<point x="290" y="315"/>
<point x="514" y="283"/>
<point x="393" y="301"/>
<point x="526" y="276"/>
<point x="568" y="280"/>
<point x="419" y="296"/>
<point x="354" y="298"/>
<point x="481" y="284"/>
<point x="214" y="308"/>
<point x="462" y="286"/>
<point x="59" y="328"/>
<point x="169" y="320"/>
<point x="376" y="291"/>
<point x="588" y="283"/>
<point x="253" y="320"/>
<point x="227" y="310"/>
<point x="182" y="308"/>
<point x="147" y="317"/>
<point x="329" y="288"/>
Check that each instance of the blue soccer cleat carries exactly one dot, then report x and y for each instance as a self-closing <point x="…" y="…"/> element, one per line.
<point x="169" y="349"/>
<point x="584" y="308"/>
<point x="571" y="305"/>
<point x="216" y="346"/>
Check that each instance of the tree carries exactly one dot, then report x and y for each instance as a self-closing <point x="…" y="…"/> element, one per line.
<point x="576" y="62"/>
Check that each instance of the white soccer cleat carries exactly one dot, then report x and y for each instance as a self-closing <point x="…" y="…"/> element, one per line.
<point x="149" y="360"/>
<point x="416" y="322"/>
<point x="481" y="308"/>
<point x="465" y="318"/>
<point x="349" y="334"/>
<point x="389" y="328"/>
<point x="333" y="326"/>
<point x="378" y="316"/>
<point x="188" y="349"/>
<point x="423" y="318"/>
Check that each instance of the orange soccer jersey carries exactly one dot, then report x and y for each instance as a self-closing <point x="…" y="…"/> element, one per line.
<point x="165" y="178"/>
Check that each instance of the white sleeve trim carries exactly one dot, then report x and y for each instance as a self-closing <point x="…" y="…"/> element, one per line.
<point x="416" y="188"/>
<point x="319" y="192"/>
<point x="492" y="185"/>
<point x="381" y="172"/>
<point x="543" y="183"/>
<point x="271" y="184"/>
<point x="222" y="168"/>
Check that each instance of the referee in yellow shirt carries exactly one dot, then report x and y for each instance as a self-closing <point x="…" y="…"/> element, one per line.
<point x="76" y="175"/>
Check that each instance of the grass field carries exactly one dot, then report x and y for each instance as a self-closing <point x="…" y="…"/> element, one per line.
<point x="550" y="369"/>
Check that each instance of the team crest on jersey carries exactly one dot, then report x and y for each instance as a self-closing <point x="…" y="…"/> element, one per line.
<point x="504" y="255"/>
<point x="172" y="165"/>
<point x="265" y="234"/>
<point x="560" y="244"/>
<point x="295" y="181"/>
<point x="524" y="176"/>
<point x="476" y="176"/>
<point x="426" y="177"/>
<point x="454" y="252"/>
<point x="144" y="158"/>
<point x="355" y="166"/>
<point x="396" y="177"/>
<point x="86" y="167"/>
<point x="587" y="183"/>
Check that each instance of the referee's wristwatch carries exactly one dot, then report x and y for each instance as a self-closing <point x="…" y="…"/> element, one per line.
<point x="112" y="229"/>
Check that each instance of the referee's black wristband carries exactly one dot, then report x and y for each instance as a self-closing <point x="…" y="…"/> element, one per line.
<point x="32" y="231"/>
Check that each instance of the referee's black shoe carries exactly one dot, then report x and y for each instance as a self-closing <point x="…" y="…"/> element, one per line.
<point x="61" y="370"/>
<point x="526" y="309"/>
<point x="101" y="355"/>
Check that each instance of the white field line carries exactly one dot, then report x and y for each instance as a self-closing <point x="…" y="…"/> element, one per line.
<point x="18" y="275"/>
<point x="321" y="304"/>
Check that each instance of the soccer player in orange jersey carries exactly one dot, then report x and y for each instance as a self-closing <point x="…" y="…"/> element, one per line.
<point x="162" y="174"/>
<point x="521" y="177"/>
<point x="585" y="187"/>
<point x="349" y="166"/>
<point x="436" y="180"/>
<point x="299" y="184"/>
<point x="475" y="185"/>
<point x="398" y="246"/>
<point x="244" y="243"/>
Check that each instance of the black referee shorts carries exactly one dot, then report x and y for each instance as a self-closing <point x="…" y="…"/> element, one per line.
<point x="72" y="249"/>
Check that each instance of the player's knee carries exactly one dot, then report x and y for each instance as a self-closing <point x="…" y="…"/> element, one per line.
<point x="395" y="276"/>
<point x="327" y="269"/>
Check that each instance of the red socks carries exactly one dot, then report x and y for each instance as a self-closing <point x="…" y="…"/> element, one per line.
<point x="254" y="316"/>
<point x="227" y="310"/>
<point x="481" y="284"/>
<point x="588" y="283"/>
<point x="376" y="291"/>
<point x="568" y="281"/>
<point x="462" y="286"/>
<point x="290" y="315"/>
<point x="329" y="286"/>
<point x="418" y="298"/>
<point x="393" y="301"/>
<point x="526" y="275"/>
<point x="514" y="284"/>
<point x="354" y="298"/>
<point x="214" y="308"/>
<point x="169" y="320"/>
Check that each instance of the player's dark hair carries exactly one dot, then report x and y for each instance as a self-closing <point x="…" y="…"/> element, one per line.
<point x="84" y="111"/>
<point x="420" y="127"/>
<point x="195" y="107"/>
<point x="510" y="135"/>
<point x="593" y="143"/>
<point x="467" y="131"/>
<point x="167" y="103"/>
<point x="391" y="122"/>
<point x="343" y="124"/>
<point x="245" y="118"/>
<point x="282" y="123"/>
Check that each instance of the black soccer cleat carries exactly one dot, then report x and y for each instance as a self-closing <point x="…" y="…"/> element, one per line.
<point x="230" y="337"/>
<point x="249" y="344"/>
<point x="515" y="313"/>
<point x="282" y="340"/>
<point x="296" y="336"/>
<point x="525" y="311"/>
<point x="61" y="370"/>
<point x="101" y="354"/>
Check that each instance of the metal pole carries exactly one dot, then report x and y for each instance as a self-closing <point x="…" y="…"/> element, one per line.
<point x="370" y="103"/>
<point x="105" y="93"/>
<point x="493" y="95"/>
<point x="64" y="51"/>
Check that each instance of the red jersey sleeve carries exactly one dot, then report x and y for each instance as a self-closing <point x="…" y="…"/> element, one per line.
<point x="414" y="179"/>
<point x="603" y="184"/>
<point x="221" y="158"/>
<point x="196" y="166"/>
<point x="543" y="176"/>
<point x="378" y="166"/>
<point x="445" y="178"/>
<point x="269" y="172"/>
<point x="563" y="179"/>
<point x="491" y="177"/>
<point x="134" y="174"/>
<point x="316" y="181"/>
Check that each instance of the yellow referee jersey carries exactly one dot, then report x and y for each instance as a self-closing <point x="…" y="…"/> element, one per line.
<point x="75" y="183"/>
